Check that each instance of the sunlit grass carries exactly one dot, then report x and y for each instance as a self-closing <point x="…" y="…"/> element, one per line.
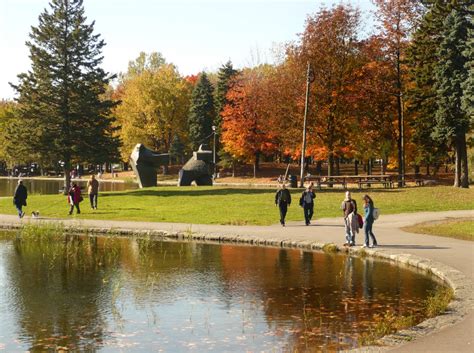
<point x="457" y="228"/>
<point x="238" y="206"/>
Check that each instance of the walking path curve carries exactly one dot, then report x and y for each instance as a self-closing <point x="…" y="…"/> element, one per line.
<point x="448" y="258"/>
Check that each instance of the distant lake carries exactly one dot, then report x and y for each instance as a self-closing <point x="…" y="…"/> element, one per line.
<point x="44" y="187"/>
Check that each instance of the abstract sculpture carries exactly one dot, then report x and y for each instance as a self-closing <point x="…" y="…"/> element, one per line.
<point x="145" y="163"/>
<point x="198" y="169"/>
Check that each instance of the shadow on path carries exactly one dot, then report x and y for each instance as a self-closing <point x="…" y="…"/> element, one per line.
<point x="419" y="247"/>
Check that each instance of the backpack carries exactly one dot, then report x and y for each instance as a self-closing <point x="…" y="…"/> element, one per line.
<point x="376" y="213"/>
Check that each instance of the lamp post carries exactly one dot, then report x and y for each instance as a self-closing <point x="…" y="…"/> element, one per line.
<point x="309" y="80"/>
<point x="401" y="138"/>
<point x="214" y="150"/>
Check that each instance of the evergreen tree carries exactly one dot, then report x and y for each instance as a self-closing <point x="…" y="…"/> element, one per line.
<point x="452" y="123"/>
<point x="202" y="113"/>
<point x="421" y="61"/>
<point x="64" y="114"/>
<point x="177" y="149"/>
<point x="224" y="75"/>
<point x="468" y="85"/>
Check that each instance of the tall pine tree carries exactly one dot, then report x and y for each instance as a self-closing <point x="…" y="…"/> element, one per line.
<point x="452" y="122"/>
<point x="202" y="113"/>
<point x="64" y="113"/>
<point x="224" y="75"/>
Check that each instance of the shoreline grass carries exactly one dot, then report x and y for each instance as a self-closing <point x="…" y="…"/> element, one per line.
<point x="238" y="206"/>
<point x="456" y="228"/>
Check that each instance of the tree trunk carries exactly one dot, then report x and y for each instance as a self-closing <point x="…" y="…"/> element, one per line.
<point x="464" y="177"/>
<point x="256" y="165"/>
<point x="369" y="167"/>
<point x="384" y="166"/>
<point x="338" y="166"/>
<point x="417" y="170"/>
<point x="67" y="179"/>
<point x="457" y="163"/>
<point x="356" y="167"/>
<point x="330" y="164"/>
<point x="319" y="168"/>
<point x="165" y="169"/>
<point x="428" y="169"/>
<point x="233" y="169"/>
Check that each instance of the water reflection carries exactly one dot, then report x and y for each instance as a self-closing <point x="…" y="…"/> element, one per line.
<point x="47" y="187"/>
<point x="112" y="294"/>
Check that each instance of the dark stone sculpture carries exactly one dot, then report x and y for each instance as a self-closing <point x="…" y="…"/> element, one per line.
<point x="145" y="163"/>
<point x="198" y="169"/>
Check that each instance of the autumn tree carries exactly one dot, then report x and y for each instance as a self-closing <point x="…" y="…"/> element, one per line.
<point x="329" y="43"/>
<point x="201" y="112"/>
<point x="64" y="116"/>
<point x="246" y="132"/>
<point x="397" y="21"/>
<point x="155" y="102"/>
<point x="373" y="107"/>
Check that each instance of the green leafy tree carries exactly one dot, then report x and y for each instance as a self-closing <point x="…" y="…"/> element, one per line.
<point x="452" y="122"/>
<point x="8" y="115"/>
<point x="201" y="113"/>
<point x="64" y="114"/>
<point x="154" y="108"/>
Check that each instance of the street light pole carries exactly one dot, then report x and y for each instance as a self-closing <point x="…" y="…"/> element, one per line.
<point x="214" y="151"/>
<point x="309" y="79"/>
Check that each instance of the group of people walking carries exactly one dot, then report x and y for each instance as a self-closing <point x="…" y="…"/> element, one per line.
<point x="74" y="196"/>
<point x="352" y="220"/>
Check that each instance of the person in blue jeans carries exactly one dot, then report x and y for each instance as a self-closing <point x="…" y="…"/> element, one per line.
<point x="369" y="221"/>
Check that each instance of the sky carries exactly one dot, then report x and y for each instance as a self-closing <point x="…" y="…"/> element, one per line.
<point x="195" y="35"/>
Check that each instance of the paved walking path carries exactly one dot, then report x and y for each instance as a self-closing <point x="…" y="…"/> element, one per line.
<point x="457" y="254"/>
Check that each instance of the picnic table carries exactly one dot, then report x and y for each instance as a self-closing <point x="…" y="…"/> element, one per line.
<point x="361" y="180"/>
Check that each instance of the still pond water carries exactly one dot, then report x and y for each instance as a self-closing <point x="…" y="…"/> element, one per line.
<point x="101" y="294"/>
<point x="45" y="187"/>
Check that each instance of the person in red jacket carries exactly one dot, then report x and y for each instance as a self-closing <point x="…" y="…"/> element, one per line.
<point x="74" y="198"/>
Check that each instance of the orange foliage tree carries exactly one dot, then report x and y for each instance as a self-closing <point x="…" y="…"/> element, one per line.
<point x="329" y="43"/>
<point x="246" y="132"/>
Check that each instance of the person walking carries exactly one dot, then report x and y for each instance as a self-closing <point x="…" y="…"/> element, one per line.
<point x="369" y="221"/>
<point x="307" y="202"/>
<point x="283" y="200"/>
<point x="349" y="208"/>
<point x="74" y="198"/>
<point x="19" y="198"/>
<point x="93" y="191"/>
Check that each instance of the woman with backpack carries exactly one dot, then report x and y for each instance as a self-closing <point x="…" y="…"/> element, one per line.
<point x="307" y="202"/>
<point x="369" y="221"/>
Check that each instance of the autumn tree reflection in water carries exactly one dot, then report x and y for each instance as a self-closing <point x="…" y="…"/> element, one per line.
<point x="107" y="294"/>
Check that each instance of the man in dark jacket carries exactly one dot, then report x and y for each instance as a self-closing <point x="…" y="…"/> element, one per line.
<point x="19" y="199"/>
<point x="283" y="200"/>
<point x="307" y="202"/>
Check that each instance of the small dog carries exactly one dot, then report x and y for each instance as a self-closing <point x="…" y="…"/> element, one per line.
<point x="35" y="214"/>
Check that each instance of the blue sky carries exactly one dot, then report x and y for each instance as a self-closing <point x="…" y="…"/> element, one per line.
<point x="194" y="35"/>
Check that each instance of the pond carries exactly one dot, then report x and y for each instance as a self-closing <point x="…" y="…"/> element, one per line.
<point x="53" y="186"/>
<point x="110" y="294"/>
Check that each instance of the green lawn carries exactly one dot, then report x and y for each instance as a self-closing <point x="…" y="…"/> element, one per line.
<point x="457" y="228"/>
<point x="224" y="205"/>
